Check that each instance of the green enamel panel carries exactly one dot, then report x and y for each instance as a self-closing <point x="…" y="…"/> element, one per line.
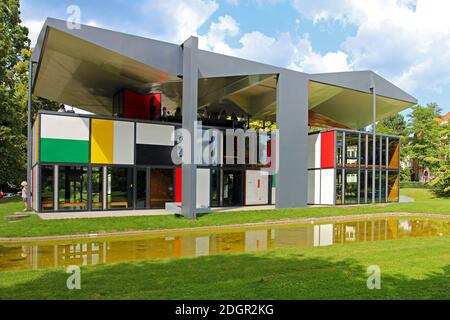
<point x="62" y="150"/>
<point x="274" y="181"/>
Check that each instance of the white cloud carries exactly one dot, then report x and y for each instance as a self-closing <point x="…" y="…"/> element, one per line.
<point x="215" y="39"/>
<point x="408" y="41"/>
<point x="307" y="60"/>
<point x="176" y="21"/>
<point x="280" y="50"/>
<point x="34" y="28"/>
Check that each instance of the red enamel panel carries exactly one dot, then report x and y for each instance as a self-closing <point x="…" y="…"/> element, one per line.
<point x="178" y="177"/>
<point x="327" y="150"/>
<point x="137" y="106"/>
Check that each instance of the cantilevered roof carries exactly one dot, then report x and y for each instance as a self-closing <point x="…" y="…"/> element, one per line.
<point x="85" y="67"/>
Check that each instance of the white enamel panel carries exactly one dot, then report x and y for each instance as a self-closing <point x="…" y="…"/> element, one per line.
<point x="123" y="142"/>
<point x="64" y="127"/>
<point x="155" y="134"/>
<point x="256" y="187"/>
<point x="327" y="188"/>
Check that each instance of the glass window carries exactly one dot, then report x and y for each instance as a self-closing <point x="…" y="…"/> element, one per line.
<point x="377" y="186"/>
<point x="339" y="179"/>
<point x="393" y="183"/>
<point x="141" y="188"/>
<point x="362" y="156"/>
<point x="161" y="187"/>
<point x="72" y="184"/>
<point x="369" y="185"/>
<point x="394" y="152"/>
<point x="383" y="186"/>
<point x="232" y="188"/>
<point x="378" y="151"/>
<point x="362" y="186"/>
<point x="370" y="151"/>
<point x="97" y="188"/>
<point x="351" y="187"/>
<point x="120" y="188"/>
<point x="351" y="149"/>
<point x="215" y="190"/>
<point x="383" y="151"/>
<point x="339" y="147"/>
<point x="47" y="188"/>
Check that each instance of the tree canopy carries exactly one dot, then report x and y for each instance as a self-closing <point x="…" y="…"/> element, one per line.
<point x="15" y="53"/>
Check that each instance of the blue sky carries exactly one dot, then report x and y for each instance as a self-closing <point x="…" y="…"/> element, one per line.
<point x="405" y="41"/>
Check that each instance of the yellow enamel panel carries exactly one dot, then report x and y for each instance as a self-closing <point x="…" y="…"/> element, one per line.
<point x="102" y="141"/>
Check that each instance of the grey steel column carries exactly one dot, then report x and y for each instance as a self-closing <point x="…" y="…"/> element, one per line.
<point x="374" y="133"/>
<point x="29" y="134"/>
<point x="292" y="123"/>
<point x="189" y="113"/>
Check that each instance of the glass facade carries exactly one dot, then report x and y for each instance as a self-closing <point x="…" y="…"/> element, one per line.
<point x="161" y="187"/>
<point x="347" y="172"/>
<point x="354" y="176"/>
<point x="72" y="188"/>
<point x="120" y="188"/>
<point x="97" y="183"/>
<point x="141" y="188"/>
<point x="47" y="188"/>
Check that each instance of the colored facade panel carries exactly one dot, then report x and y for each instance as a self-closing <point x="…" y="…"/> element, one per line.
<point x="327" y="150"/>
<point x="314" y="190"/>
<point x="153" y="155"/>
<point x="314" y="151"/>
<point x="203" y="188"/>
<point x="65" y="151"/>
<point x="102" y="141"/>
<point x="140" y="106"/>
<point x="123" y="151"/>
<point x="256" y="187"/>
<point x="178" y="184"/>
<point x="327" y="187"/>
<point x="393" y="186"/>
<point x="394" y="157"/>
<point x="64" y="127"/>
<point x="155" y="134"/>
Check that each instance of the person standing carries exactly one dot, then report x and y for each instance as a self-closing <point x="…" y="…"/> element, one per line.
<point x="24" y="194"/>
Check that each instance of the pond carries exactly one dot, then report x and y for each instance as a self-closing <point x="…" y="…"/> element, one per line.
<point x="94" y="251"/>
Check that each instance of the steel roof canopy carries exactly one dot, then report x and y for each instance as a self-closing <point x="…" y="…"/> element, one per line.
<point x="85" y="67"/>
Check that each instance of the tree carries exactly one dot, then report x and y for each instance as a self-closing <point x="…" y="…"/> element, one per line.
<point x="15" y="54"/>
<point x="13" y="39"/>
<point x="393" y="125"/>
<point x="428" y="142"/>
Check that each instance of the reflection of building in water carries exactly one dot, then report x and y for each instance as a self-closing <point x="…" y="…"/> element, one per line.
<point x="62" y="254"/>
<point x="256" y="240"/>
<point x="323" y="235"/>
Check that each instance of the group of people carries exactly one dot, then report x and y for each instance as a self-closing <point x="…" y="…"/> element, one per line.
<point x="62" y="108"/>
<point x="165" y="115"/>
<point x="240" y="122"/>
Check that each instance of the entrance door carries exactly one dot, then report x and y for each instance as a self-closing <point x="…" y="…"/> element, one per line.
<point x="232" y="194"/>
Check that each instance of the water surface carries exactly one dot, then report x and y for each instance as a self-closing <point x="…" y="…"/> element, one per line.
<point x="94" y="251"/>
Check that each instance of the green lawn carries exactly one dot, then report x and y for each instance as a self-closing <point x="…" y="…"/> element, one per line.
<point x="410" y="269"/>
<point x="33" y="226"/>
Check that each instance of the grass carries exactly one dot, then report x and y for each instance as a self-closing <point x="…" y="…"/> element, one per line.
<point x="417" y="268"/>
<point x="33" y="226"/>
